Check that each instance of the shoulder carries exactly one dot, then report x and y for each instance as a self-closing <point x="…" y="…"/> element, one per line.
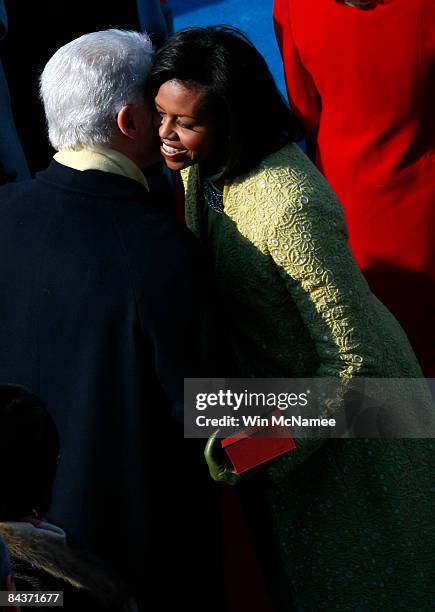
<point x="289" y="165"/>
<point x="146" y="229"/>
<point x="289" y="170"/>
<point x="161" y="255"/>
<point x="287" y="185"/>
<point x="154" y="244"/>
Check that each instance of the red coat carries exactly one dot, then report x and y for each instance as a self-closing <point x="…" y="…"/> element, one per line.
<point x="363" y="82"/>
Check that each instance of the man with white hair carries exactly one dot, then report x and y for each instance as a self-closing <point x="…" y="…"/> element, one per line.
<point x="98" y="296"/>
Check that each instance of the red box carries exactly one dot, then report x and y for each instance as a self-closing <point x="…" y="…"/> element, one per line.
<point x="253" y="447"/>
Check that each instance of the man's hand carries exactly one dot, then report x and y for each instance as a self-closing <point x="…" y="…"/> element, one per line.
<point x="218" y="463"/>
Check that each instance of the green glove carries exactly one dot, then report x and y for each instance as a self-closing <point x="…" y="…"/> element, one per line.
<point x="219" y="465"/>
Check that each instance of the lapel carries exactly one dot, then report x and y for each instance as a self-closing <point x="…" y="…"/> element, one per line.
<point x="193" y="199"/>
<point x="192" y="187"/>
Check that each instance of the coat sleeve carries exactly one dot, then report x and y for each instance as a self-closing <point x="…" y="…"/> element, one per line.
<point x="308" y="244"/>
<point x="301" y="89"/>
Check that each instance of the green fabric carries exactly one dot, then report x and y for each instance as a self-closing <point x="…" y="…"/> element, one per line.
<point x="296" y="302"/>
<point x="352" y="521"/>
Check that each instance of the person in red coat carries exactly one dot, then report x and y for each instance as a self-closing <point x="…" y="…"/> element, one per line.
<point x="361" y="77"/>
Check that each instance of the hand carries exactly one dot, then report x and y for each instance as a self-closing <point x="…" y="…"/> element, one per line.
<point x="218" y="463"/>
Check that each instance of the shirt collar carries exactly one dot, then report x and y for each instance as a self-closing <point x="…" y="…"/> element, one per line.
<point x="103" y="159"/>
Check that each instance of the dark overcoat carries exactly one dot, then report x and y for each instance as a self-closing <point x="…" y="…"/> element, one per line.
<point x="98" y="295"/>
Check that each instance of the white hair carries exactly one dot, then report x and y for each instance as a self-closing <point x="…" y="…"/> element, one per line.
<point x="87" y="82"/>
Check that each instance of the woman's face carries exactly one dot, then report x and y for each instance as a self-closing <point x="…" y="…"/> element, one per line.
<point x="187" y="130"/>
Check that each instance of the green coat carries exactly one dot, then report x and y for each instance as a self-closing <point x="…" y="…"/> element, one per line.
<point x="352" y="520"/>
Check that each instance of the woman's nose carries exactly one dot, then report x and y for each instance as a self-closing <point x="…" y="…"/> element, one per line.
<point x="166" y="130"/>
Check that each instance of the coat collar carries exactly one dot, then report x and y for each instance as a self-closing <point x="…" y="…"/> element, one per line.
<point x="192" y="187"/>
<point x="95" y="183"/>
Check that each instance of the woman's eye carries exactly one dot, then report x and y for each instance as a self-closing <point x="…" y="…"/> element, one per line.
<point x="187" y="126"/>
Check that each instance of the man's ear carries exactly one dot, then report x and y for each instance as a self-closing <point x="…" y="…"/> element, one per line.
<point x="127" y="121"/>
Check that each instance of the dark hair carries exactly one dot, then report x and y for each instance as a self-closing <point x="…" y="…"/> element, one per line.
<point x="239" y="89"/>
<point x="29" y="450"/>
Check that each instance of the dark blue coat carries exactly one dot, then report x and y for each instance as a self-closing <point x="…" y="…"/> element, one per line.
<point x="98" y="298"/>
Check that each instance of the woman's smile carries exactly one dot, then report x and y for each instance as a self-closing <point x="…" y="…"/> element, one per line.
<point x="170" y="151"/>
